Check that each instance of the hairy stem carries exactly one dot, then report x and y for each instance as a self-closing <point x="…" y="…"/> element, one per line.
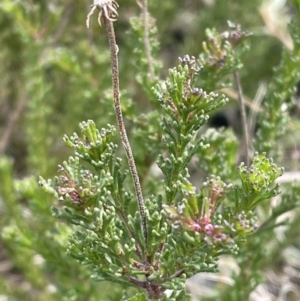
<point x="116" y="93"/>
<point x="144" y="5"/>
<point x="243" y="114"/>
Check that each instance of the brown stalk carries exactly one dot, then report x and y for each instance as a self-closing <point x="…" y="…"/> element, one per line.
<point x="144" y="5"/>
<point x="244" y="117"/>
<point x="117" y="104"/>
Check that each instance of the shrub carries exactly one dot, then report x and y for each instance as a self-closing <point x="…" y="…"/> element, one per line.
<point x="116" y="218"/>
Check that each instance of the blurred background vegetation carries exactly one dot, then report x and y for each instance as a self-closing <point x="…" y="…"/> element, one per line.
<point x="55" y="74"/>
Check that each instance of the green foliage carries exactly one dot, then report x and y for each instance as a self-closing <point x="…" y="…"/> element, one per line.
<point x="221" y="56"/>
<point x="279" y="98"/>
<point x="91" y="246"/>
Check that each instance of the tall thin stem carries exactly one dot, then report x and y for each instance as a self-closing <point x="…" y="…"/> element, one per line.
<point x="144" y="5"/>
<point x="243" y="114"/>
<point x="116" y="93"/>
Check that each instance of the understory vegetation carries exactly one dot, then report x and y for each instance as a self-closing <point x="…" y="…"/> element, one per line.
<point x="149" y="151"/>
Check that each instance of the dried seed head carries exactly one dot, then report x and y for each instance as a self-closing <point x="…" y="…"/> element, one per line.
<point x="107" y="9"/>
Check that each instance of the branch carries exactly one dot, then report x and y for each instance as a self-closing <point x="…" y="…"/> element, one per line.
<point x="243" y="114"/>
<point x="260" y="94"/>
<point x="144" y="6"/>
<point x="116" y="92"/>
